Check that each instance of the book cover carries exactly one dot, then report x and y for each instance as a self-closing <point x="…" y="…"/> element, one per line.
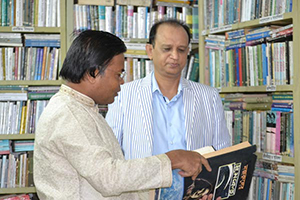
<point x="230" y="178"/>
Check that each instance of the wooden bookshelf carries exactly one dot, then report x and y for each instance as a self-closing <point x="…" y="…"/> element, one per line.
<point x="17" y="137"/>
<point x="32" y="83"/>
<point x="33" y="29"/>
<point x="296" y="94"/>
<point x="65" y="31"/>
<point x="278" y="88"/>
<point x="21" y="190"/>
<point x="286" y="18"/>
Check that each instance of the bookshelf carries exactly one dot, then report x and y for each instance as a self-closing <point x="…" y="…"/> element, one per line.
<point x="17" y="190"/>
<point x="281" y="19"/>
<point x="60" y="25"/>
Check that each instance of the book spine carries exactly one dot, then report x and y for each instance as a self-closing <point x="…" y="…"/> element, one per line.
<point x="42" y="43"/>
<point x="255" y="36"/>
<point x="277" y="135"/>
<point x="108" y="19"/>
<point x="23" y="117"/>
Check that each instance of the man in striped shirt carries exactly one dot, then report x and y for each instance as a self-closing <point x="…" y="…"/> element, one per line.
<point x="164" y="111"/>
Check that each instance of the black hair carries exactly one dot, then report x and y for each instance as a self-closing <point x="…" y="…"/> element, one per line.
<point x="172" y="22"/>
<point x="90" y="51"/>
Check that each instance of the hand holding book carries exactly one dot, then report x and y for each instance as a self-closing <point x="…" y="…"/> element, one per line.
<point x="230" y="178"/>
<point x="189" y="162"/>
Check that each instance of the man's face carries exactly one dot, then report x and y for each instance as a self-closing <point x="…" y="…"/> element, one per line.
<point x="170" y="51"/>
<point x="107" y="85"/>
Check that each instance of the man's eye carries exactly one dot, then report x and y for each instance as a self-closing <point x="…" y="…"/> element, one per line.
<point x="167" y="49"/>
<point x="181" y="50"/>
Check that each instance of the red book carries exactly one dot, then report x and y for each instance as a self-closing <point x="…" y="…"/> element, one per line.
<point x="240" y="67"/>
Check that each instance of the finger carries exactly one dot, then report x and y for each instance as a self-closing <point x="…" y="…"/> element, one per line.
<point x="194" y="176"/>
<point x="184" y="174"/>
<point x="206" y="165"/>
<point x="200" y="168"/>
<point x="204" y="197"/>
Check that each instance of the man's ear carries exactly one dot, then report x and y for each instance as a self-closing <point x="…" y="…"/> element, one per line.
<point x="149" y="49"/>
<point x="90" y="78"/>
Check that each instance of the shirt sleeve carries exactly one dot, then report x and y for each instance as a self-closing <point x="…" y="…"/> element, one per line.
<point x="114" y="117"/>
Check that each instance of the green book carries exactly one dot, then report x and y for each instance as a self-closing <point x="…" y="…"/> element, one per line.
<point x="195" y="69"/>
<point x="40" y="96"/>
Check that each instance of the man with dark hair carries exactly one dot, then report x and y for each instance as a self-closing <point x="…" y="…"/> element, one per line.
<point x="163" y="111"/>
<point x="76" y="154"/>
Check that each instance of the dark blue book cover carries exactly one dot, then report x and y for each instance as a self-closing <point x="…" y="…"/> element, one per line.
<point x="230" y="177"/>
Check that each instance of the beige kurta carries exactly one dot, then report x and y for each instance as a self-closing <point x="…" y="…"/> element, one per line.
<point x="77" y="156"/>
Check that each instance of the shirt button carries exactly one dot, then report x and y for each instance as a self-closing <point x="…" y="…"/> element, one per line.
<point x="170" y="124"/>
<point x="171" y="143"/>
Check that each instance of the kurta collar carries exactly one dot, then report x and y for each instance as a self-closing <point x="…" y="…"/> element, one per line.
<point x="77" y="95"/>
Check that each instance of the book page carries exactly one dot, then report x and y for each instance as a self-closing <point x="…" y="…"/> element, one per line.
<point x="227" y="150"/>
<point x="205" y="150"/>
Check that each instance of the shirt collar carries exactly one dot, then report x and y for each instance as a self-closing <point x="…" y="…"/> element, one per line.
<point x="154" y="84"/>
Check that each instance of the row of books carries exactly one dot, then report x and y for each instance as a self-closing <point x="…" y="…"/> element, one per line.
<point x="272" y="180"/>
<point x="17" y="197"/>
<point x="7" y="146"/>
<point x="16" y="170"/>
<point x="20" y="117"/>
<point x="29" y="63"/>
<point x="191" y="70"/>
<point x="266" y="121"/>
<point x="276" y="101"/>
<point x="265" y="188"/>
<point x="19" y="114"/>
<point x="252" y="57"/>
<point x="139" y="3"/>
<point x="30" y="40"/>
<point x="218" y="13"/>
<point x="137" y="68"/>
<point x="254" y="126"/>
<point x="276" y="171"/>
<point x="131" y="21"/>
<point x="41" y="13"/>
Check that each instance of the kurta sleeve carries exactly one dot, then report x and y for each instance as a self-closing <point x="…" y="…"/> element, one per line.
<point x="102" y="164"/>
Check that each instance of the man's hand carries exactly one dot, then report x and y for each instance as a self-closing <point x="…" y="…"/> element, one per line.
<point x="189" y="162"/>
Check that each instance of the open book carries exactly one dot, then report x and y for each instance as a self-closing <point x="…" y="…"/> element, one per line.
<point x="230" y="178"/>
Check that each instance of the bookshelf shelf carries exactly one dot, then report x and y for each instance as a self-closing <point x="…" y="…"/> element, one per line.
<point x="17" y="137"/>
<point x="284" y="19"/>
<point x="26" y="29"/>
<point x="279" y="88"/>
<point x="135" y="40"/>
<point x="17" y="190"/>
<point x="165" y="3"/>
<point x="135" y="56"/>
<point x="135" y="2"/>
<point x="285" y="159"/>
<point x="49" y="82"/>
